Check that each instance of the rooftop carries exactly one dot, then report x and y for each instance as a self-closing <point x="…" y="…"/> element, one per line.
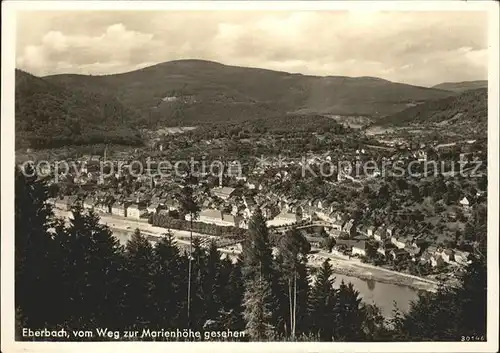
<point x="226" y="190"/>
<point x="211" y="213"/>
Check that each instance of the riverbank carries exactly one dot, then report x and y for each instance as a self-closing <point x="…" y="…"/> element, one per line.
<point x="347" y="267"/>
<point x="364" y="271"/>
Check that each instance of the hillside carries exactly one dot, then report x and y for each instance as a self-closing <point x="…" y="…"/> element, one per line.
<point x="195" y="91"/>
<point x="49" y="115"/>
<point x="465" y="114"/>
<point x="462" y="86"/>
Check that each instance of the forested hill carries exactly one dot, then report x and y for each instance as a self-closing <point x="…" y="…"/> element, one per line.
<point x="50" y="115"/>
<point x="72" y="109"/>
<point x="196" y="91"/>
<point x="462" y="86"/>
<point x="463" y="114"/>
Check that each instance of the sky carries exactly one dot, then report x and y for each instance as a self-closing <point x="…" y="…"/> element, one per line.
<point x="421" y="48"/>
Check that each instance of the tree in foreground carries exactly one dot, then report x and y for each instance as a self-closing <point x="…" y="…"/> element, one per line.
<point x="258" y="315"/>
<point x="322" y="303"/>
<point x="191" y="208"/>
<point x="293" y="250"/>
<point x="348" y="314"/>
<point x="90" y="253"/>
<point x="34" y="250"/>
<point x="259" y="299"/>
<point x="231" y="296"/>
<point x="88" y="280"/>
<point x="169" y="283"/>
<point x="256" y="254"/>
<point x="375" y="328"/>
<point x="139" y="264"/>
<point x="211" y="287"/>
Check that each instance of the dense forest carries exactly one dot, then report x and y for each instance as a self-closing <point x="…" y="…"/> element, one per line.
<point x="467" y="112"/>
<point x="202" y="113"/>
<point x="291" y="125"/>
<point x="78" y="277"/>
<point x="203" y="91"/>
<point x="48" y="115"/>
<point x="60" y="110"/>
<point x="462" y="86"/>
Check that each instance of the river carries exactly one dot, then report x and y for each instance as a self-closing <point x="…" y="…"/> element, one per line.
<point x="384" y="295"/>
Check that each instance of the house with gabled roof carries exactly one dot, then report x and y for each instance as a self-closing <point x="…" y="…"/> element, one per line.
<point x="436" y="260"/>
<point x="334" y="205"/>
<point x="153" y="207"/>
<point x="340" y="220"/>
<point x="232" y="220"/>
<point x="399" y="242"/>
<point x="461" y="257"/>
<point x="414" y="252"/>
<point x="418" y="242"/>
<point x="397" y="254"/>
<point x="217" y="217"/>
<point x="224" y="192"/>
<point x="298" y="209"/>
<point x="284" y="218"/>
<point x="136" y="211"/>
<point x="102" y="207"/>
<point x="370" y="231"/>
<point x="313" y="202"/>
<point x="359" y="248"/>
<point x="380" y="234"/>
<point x="391" y="230"/>
<point x="448" y="255"/>
<point x="464" y="202"/>
<point x="119" y="209"/>
<point x="385" y="247"/>
<point x="425" y="258"/>
<point x="350" y="228"/>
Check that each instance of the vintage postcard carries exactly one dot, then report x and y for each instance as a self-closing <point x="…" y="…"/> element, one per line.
<point x="276" y="176"/>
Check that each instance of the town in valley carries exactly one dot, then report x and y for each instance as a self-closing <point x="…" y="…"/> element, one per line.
<point x="214" y="178"/>
<point x="423" y="226"/>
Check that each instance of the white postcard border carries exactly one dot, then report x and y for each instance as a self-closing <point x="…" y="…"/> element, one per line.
<point x="7" y="192"/>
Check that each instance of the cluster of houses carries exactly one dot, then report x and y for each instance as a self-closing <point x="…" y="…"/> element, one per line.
<point x="222" y="206"/>
<point x="226" y="206"/>
<point x="134" y="208"/>
<point x="356" y="240"/>
<point x="391" y="243"/>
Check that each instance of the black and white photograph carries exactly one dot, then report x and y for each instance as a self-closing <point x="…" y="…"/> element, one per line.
<point x="240" y="172"/>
